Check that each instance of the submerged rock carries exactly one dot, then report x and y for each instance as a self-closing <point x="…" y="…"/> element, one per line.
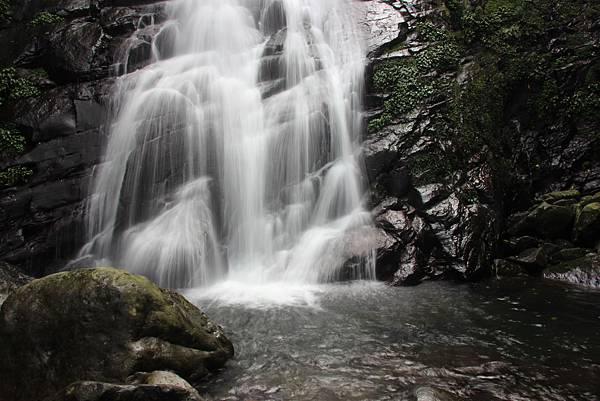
<point x="101" y="325"/>
<point x="427" y="393"/>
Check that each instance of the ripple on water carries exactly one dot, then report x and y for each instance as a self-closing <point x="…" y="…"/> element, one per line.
<point x="367" y="341"/>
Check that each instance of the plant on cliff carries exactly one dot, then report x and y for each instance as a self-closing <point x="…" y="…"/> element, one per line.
<point x="11" y="141"/>
<point x="14" y="175"/>
<point x="487" y="62"/>
<point x="46" y="18"/>
<point x="4" y="10"/>
<point x="13" y="87"/>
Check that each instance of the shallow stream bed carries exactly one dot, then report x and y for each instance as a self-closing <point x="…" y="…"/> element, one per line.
<point x="497" y="340"/>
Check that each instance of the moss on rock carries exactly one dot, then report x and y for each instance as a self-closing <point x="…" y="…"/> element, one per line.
<point x="103" y="325"/>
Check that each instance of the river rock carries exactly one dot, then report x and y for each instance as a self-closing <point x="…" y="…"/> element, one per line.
<point x="548" y="221"/>
<point x="583" y="271"/>
<point x="101" y="325"/>
<point x="427" y="393"/>
<point x="587" y="224"/>
<point x="97" y="391"/>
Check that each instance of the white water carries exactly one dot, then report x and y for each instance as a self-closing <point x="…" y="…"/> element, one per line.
<point x="235" y="155"/>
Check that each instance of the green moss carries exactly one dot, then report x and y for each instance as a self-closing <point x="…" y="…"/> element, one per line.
<point x="4" y="10"/>
<point x="14" y="175"/>
<point x="46" y="18"/>
<point x="13" y="87"/>
<point x="12" y="142"/>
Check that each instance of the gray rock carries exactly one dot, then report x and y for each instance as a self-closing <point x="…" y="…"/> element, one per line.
<point x="584" y="271"/>
<point x="101" y="325"/>
<point x="98" y="391"/>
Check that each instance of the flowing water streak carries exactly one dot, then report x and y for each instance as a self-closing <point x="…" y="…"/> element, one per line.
<point x="236" y="153"/>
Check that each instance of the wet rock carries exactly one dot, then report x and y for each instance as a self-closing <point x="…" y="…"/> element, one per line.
<point x="506" y="268"/>
<point x="549" y="221"/>
<point x="567" y="254"/>
<point x="554" y="197"/>
<point x="584" y="271"/>
<point x="587" y="224"/>
<point x="535" y="258"/>
<point x="98" y="391"/>
<point x="95" y="313"/>
<point x="383" y="26"/>
<point x="163" y="378"/>
<point x="10" y="279"/>
<point x="427" y="393"/>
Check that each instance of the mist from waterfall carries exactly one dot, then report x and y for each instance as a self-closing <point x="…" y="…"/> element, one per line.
<point x="235" y="155"/>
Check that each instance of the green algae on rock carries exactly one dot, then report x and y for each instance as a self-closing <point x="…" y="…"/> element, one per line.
<point x="102" y="325"/>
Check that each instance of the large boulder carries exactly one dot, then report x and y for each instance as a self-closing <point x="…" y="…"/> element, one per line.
<point x="101" y="325"/>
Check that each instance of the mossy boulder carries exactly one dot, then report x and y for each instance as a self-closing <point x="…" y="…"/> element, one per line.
<point x="10" y="279"/>
<point x="582" y="271"/>
<point x="553" y="197"/>
<point x="587" y="224"/>
<point x="101" y="325"/>
<point x="547" y="221"/>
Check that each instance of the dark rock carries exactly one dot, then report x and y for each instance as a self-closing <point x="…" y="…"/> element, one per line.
<point x="587" y="224"/>
<point x="97" y="391"/>
<point x="567" y="254"/>
<point x="549" y="221"/>
<point x="10" y="279"/>
<point x="554" y="197"/>
<point x="533" y="259"/>
<point x="95" y="313"/>
<point x="584" y="271"/>
<point x="506" y="268"/>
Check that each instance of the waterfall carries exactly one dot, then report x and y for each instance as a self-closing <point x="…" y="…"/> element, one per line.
<point x="236" y="153"/>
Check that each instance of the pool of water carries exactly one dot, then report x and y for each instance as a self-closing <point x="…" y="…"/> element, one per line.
<point x="499" y="340"/>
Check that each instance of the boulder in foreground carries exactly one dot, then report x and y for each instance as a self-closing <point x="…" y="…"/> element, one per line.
<point x="101" y="325"/>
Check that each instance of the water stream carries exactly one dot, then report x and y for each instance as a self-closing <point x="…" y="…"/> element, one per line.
<point x="235" y="154"/>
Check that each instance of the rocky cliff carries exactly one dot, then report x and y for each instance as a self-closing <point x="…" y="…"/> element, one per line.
<point x="55" y="87"/>
<point x="477" y="110"/>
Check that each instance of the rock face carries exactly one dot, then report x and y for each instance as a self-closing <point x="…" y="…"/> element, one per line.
<point x="102" y="325"/>
<point x="76" y="53"/>
<point x="449" y="176"/>
<point x="433" y="231"/>
<point x="10" y="279"/>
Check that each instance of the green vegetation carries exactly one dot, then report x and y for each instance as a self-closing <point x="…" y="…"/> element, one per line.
<point x="11" y="141"/>
<point x="46" y="18"/>
<point x="13" y="87"/>
<point x="4" y="10"/>
<point x="14" y="175"/>
<point x="534" y="60"/>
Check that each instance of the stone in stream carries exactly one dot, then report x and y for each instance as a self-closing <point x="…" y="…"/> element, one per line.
<point x="427" y="393"/>
<point x="101" y="325"/>
<point x="583" y="271"/>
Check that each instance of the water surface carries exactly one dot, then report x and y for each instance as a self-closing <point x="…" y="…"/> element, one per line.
<point x="498" y="340"/>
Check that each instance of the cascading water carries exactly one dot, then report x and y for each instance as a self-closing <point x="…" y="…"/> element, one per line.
<point x="236" y="153"/>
